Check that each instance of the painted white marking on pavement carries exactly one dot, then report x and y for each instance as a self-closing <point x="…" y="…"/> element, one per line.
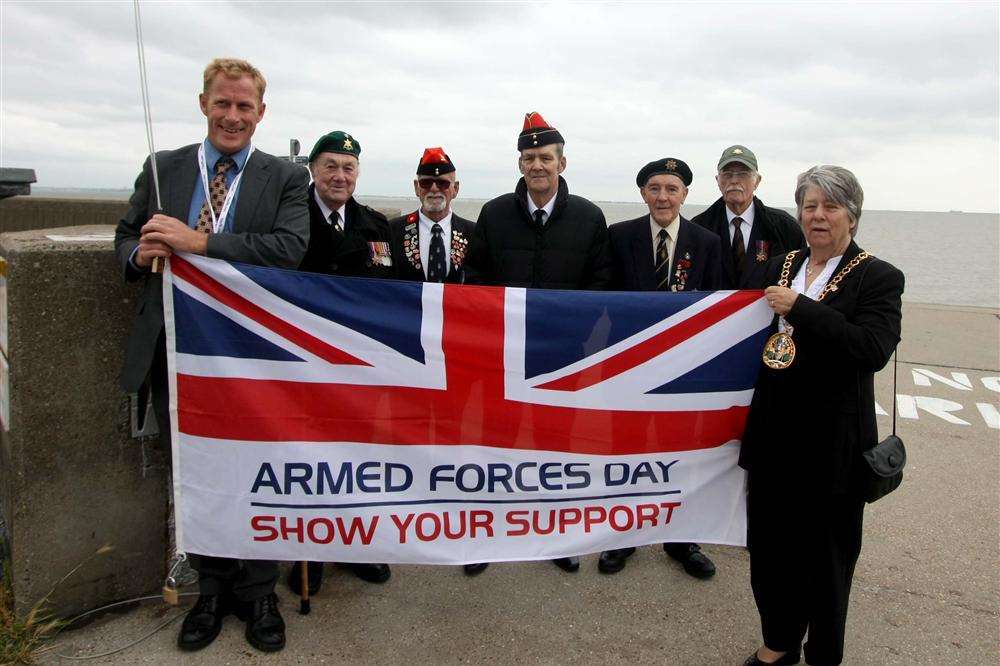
<point x="959" y="380"/>
<point x="990" y="414"/>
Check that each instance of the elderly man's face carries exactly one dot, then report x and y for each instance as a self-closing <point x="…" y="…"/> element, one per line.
<point x="825" y="222"/>
<point x="233" y="109"/>
<point x="737" y="184"/>
<point x="435" y="192"/>
<point x="664" y="194"/>
<point x="335" y="176"/>
<point x="541" y="168"/>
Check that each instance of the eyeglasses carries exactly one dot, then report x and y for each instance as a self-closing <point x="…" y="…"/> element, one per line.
<point x="735" y="175"/>
<point x="426" y="183"/>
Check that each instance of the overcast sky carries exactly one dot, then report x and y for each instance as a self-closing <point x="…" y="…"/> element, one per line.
<point x="903" y="94"/>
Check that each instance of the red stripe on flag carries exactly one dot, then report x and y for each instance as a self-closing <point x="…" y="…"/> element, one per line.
<point x="276" y="411"/>
<point x="653" y="347"/>
<point x="225" y="295"/>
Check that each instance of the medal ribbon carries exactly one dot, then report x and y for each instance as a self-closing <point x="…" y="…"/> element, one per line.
<point x="219" y="222"/>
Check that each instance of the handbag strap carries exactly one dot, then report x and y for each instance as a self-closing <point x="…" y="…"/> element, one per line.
<point x="895" y="365"/>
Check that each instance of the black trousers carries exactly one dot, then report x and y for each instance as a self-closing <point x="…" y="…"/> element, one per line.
<point x="244" y="579"/>
<point x="803" y="548"/>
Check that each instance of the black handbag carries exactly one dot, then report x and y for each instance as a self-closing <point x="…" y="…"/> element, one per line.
<point x="885" y="460"/>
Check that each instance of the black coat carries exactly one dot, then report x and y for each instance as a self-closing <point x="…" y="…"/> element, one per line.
<point x="404" y="232"/>
<point x="570" y="251"/>
<point x="632" y="255"/>
<point x="809" y="423"/>
<point x="353" y="253"/>
<point x="774" y="233"/>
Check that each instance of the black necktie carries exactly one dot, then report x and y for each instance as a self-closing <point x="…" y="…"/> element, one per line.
<point x="437" y="266"/>
<point x="540" y="216"/>
<point x="335" y="222"/>
<point x="662" y="261"/>
<point x="739" y="249"/>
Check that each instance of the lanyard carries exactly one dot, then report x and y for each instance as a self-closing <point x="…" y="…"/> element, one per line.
<point x="219" y="222"/>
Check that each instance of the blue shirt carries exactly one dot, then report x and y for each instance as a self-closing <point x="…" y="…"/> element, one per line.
<point x="212" y="156"/>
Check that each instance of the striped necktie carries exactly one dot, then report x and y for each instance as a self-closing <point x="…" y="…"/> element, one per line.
<point x="663" y="260"/>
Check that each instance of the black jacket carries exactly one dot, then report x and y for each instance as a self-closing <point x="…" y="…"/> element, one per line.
<point x="404" y="234"/>
<point x="354" y="253"/>
<point x="809" y="423"/>
<point x="570" y="251"/>
<point x="696" y="265"/>
<point x="774" y="233"/>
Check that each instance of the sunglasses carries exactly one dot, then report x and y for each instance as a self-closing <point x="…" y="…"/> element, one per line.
<point x="426" y="183"/>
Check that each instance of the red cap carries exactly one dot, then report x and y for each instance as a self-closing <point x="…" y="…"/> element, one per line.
<point x="435" y="162"/>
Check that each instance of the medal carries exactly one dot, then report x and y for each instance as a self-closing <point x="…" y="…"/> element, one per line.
<point x="779" y="350"/>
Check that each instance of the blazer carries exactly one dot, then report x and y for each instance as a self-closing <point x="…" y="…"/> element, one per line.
<point x="632" y="257"/>
<point x="404" y="239"/>
<point x="808" y="424"/>
<point x="774" y="233"/>
<point x="270" y="228"/>
<point x="352" y="253"/>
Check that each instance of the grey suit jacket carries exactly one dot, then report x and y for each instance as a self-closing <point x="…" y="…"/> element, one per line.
<point x="270" y="228"/>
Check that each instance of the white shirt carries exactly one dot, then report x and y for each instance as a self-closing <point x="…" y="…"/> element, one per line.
<point x="672" y="230"/>
<point x="798" y="284"/>
<point x="746" y="226"/>
<point x="425" y="235"/>
<point x="547" y="208"/>
<point x="327" y="211"/>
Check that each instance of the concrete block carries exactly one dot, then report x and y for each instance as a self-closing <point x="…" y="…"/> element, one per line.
<point x="71" y="477"/>
<point x="24" y="213"/>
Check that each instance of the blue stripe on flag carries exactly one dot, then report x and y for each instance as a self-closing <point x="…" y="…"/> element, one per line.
<point x="733" y="370"/>
<point x="563" y="327"/>
<point x="205" y="332"/>
<point x="390" y="311"/>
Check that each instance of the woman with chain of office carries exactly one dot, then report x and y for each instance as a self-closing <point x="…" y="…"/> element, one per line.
<point x="838" y="316"/>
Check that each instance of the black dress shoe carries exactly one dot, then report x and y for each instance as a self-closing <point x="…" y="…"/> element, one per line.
<point x="265" y="626"/>
<point x="372" y="573"/>
<point x="569" y="564"/>
<point x="315" y="578"/>
<point x="202" y="623"/>
<point x="787" y="659"/>
<point x="475" y="569"/>
<point x="613" y="561"/>
<point x="695" y="562"/>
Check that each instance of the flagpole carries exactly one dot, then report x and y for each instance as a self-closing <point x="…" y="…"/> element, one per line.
<point x="157" y="266"/>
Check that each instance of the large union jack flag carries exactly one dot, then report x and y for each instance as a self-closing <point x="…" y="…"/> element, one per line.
<point x="311" y="415"/>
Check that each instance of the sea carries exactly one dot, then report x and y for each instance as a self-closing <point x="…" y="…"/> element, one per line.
<point x="950" y="258"/>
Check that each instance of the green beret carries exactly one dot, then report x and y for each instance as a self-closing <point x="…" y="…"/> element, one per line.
<point x="336" y="142"/>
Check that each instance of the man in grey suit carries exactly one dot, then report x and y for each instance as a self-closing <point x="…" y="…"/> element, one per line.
<point x="222" y="199"/>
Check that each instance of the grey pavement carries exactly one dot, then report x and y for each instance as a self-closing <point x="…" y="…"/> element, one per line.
<point x="927" y="589"/>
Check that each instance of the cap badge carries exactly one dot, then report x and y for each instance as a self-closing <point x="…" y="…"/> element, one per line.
<point x="348" y="144"/>
<point x="437" y="171"/>
<point x="737" y="151"/>
<point x="670" y="164"/>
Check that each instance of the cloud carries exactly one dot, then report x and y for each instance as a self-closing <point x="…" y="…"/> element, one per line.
<point x="889" y="89"/>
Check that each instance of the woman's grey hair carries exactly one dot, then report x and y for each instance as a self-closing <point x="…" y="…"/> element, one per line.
<point x="836" y="183"/>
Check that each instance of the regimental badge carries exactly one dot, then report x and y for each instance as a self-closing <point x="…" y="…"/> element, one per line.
<point x="348" y="144"/>
<point x="670" y="164"/>
<point x="379" y="254"/>
<point x="681" y="273"/>
<point x="763" y="251"/>
<point x="437" y="171"/>
<point x="534" y="138"/>
<point x="411" y="242"/>
<point x="737" y="151"/>
<point x="459" y="245"/>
